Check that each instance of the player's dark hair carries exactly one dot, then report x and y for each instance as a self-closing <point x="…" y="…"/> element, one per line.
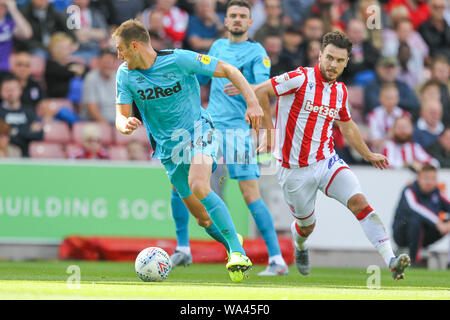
<point x="337" y="39"/>
<point x="132" y="30"/>
<point x="238" y="3"/>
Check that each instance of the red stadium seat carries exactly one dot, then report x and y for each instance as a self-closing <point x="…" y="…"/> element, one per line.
<point x="140" y="134"/>
<point x="72" y="150"/>
<point x="118" y="153"/>
<point x="105" y="128"/>
<point x="57" y="131"/>
<point x="43" y="150"/>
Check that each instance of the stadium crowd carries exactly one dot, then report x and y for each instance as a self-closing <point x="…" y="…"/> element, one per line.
<point x="58" y="62"/>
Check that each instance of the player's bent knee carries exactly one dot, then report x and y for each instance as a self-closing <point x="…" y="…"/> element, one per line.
<point x="204" y="223"/>
<point x="199" y="188"/>
<point x="307" y="230"/>
<point x="357" y="203"/>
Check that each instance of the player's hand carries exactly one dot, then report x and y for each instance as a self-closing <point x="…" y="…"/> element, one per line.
<point x="265" y="143"/>
<point x="131" y="125"/>
<point x="378" y="160"/>
<point x="231" y="90"/>
<point x="254" y="115"/>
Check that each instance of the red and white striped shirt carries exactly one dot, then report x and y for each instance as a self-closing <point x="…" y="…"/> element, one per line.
<point x="401" y="155"/>
<point x="306" y="109"/>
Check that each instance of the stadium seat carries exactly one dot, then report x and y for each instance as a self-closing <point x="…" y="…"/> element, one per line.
<point x="44" y="150"/>
<point x="72" y="149"/>
<point x="57" y="132"/>
<point x="105" y="128"/>
<point x="50" y="107"/>
<point x="118" y="153"/>
<point x="140" y="134"/>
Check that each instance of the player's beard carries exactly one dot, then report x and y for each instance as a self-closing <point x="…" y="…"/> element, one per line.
<point x="323" y="71"/>
<point x="237" y="33"/>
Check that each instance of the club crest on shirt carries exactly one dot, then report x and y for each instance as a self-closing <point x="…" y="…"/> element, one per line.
<point x="340" y="96"/>
<point x="203" y="58"/>
<point x="266" y="61"/>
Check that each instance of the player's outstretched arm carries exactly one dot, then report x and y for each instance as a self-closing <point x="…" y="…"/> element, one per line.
<point x="254" y="112"/>
<point x="264" y="91"/>
<point x="351" y="133"/>
<point x="125" y="123"/>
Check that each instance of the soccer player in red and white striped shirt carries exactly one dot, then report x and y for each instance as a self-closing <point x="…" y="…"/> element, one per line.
<point x="309" y="101"/>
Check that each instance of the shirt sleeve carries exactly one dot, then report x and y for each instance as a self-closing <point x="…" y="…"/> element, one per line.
<point x="205" y="79"/>
<point x="123" y="93"/>
<point x="289" y="82"/>
<point x="419" y="208"/>
<point x="192" y="62"/>
<point x="261" y="66"/>
<point x="344" y="111"/>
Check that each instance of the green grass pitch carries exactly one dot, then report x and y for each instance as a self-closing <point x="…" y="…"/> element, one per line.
<point x="114" y="280"/>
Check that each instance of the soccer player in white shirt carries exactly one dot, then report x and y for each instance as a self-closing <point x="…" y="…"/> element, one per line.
<point x="309" y="101"/>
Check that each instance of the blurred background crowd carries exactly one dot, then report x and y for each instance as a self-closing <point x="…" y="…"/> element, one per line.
<point x="58" y="63"/>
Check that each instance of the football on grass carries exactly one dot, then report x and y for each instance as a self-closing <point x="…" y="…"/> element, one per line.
<point x="153" y="264"/>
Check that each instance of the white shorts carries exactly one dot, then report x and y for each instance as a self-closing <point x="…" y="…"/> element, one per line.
<point x="332" y="176"/>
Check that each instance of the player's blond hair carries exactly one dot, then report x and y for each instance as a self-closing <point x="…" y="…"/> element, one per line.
<point x="132" y="30"/>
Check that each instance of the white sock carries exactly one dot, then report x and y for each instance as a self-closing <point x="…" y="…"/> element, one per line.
<point x="299" y="238"/>
<point x="374" y="229"/>
<point x="185" y="250"/>
<point x="278" y="259"/>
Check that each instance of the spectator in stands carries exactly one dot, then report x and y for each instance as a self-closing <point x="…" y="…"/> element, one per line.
<point x="118" y="11"/>
<point x="406" y="72"/>
<point x="418" y="10"/>
<point x="313" y="28"/>
<point x="440" y="71"/>
<point x="62" y="76"/>
<point x="440" y="149"/>
<point x="402" y="152"/>
<point x="363" y="57"/>
<point x="99" y="89"/>
<point x="429" y="126"/>
<point x="7" y="150"/>
<point x="404" y="32"/>
<point x="296" y="11"/>
<point x="137" y="151"/>
<point x="91" y="147"/>
<point x="14" y="26"/>
<point x="422" y="215"/>
<point x="24" y="123"/>
<point x="292" y="52"/>
<point x="93" y="30"/>
<point x="366" y="11"/>
<point x="329" y="13"/>
<point x="45" y="21"/>
<point x="387" y="71"/>
<point x="436" y="31"/>
<point x="32" y="91"/>
<point x="312" y="53"/>
<point x="273" y="45"/>
<point x="204" y="27"/>
<point x="382" y="118"/>
<point x="175" y="20"/>
<point x="273" y="24"/>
